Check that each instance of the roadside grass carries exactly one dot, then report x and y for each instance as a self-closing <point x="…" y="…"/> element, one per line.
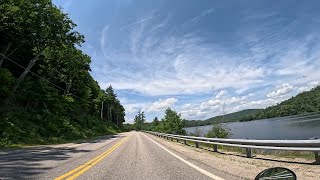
<point x="20" y="129"/>
<point x="56" y="140"/>
<point x="242" y="151"/>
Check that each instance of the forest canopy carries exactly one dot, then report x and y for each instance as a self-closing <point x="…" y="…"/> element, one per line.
<point x="47" y="93"/>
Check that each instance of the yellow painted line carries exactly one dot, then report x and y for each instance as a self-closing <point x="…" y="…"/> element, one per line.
<point x="90" y="163"/>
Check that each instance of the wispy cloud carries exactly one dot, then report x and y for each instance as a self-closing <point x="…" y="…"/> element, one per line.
<point x="202" y="14"/>
<point x="251" y="58"/>
<point x="103" y="40"/>
<point x="136" y="22"/>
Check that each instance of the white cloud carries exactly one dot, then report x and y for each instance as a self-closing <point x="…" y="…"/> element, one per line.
<point x="133" y="107"/>
<point x="309" y="86"/>
<point x="280" y="90"/>
<point x="157" y="62"/>
<point x="162" y="104"/>
<point x="221" y="93"/>
<point x="174" y="65"/>
<point x="221" y="103"/>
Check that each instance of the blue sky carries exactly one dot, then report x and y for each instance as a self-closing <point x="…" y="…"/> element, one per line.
<point x="201" y="58"/>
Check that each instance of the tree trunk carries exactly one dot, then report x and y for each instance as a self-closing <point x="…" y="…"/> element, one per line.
<point x="68" y="86"/>
<point x="25" y="72"/>
<point x="110" y="114"/>
<point x="28" y="103"/>
<point x="3" y="56"/>
<point x="101" y="113"/>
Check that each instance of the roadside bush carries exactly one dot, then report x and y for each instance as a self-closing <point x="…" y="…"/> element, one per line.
<point x="23" y="127"/>
<point x="218" y="131"/>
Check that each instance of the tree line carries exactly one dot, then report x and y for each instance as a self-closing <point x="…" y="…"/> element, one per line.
<point x="47" y="93"/>
<point x="231" y="117"/>
<point x="304" y="102"/>
<point x="171" y="123"/>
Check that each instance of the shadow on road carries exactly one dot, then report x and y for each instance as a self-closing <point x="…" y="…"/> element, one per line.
<point x="29" y="162"/>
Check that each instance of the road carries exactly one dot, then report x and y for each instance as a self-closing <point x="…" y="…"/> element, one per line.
<point x="138" y="156"/>
<point x="133" y="155"/>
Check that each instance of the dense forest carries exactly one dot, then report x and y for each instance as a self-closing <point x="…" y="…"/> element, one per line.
<point x="47" y="93"/>
<point x="304" y="102"/>
<point x="231" y="117"/>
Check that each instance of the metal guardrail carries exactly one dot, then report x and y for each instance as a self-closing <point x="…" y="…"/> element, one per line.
<point x="250" y="144"/>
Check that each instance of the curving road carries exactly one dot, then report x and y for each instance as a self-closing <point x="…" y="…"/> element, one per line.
<point x="133" y="155"/>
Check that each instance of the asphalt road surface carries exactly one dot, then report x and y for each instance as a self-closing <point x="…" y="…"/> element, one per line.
<point x="133" y="155"/>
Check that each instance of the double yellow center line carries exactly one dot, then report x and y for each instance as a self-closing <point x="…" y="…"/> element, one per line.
<point x="83" y="168"/>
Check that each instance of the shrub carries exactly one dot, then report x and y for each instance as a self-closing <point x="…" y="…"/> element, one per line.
<point x="218" y="131"/>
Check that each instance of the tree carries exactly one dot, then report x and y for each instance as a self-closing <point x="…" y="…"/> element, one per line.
<point x="59" y="100"/>
<point x="173" y="123"/>
<point x="35" y="25"/>
<point x="139" y="120"/>
<point x="218" y="131"/>
<point x="155" y="121"/>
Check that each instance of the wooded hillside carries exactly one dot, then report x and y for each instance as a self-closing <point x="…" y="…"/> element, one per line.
<point x="47" y="93"/>
<point x="304" y="102"/>
<point x="232" y="117"/>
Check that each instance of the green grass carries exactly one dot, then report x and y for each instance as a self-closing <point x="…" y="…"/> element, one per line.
<point x="57" y="141"/>
<point x="21" y="129"/>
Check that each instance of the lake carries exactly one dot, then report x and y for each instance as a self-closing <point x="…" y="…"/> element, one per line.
<point x="293" y="127"/>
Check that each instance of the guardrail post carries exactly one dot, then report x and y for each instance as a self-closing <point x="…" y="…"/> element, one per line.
<point x="215" y="147"/>
<point x="184" y="141"/>
<point x="249" y="152"/>
<point x="171" y="138"/>
<point x="197" y="144"/>
<point x="177" y="140"/>
<point x="317" y="157"/>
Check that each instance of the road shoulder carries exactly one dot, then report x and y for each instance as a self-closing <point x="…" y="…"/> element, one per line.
<point x="234" y="164"/>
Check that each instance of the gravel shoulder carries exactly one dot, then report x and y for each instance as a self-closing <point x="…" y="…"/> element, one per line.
<point x="238" y="165"/>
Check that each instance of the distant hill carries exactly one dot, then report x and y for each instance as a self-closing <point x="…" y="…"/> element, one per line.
<point x="232" y="117"/>
<point x="304" y="102"/>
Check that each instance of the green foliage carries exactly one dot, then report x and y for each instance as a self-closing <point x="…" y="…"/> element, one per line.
<point x="44" y="127"/>
<point x="139" y="120"/>
<point x="7" y="81"/>
<point x="232" y="117"/>
<point x="155" y="122"/>
<point x="218" y="131"/>
<point x="304" y="102"/>
<point x="171" y="123"/>
<point x="59" y="100"/>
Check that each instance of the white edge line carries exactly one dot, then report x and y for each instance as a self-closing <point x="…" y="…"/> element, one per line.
<point x="187" y="162"/>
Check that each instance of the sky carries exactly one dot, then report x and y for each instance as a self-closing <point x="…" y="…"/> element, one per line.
<point x="201" y="58"/>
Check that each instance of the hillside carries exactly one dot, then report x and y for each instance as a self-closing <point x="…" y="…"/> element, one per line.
<point x="304" y="102"/>
<point x="232" y="117"/>
<point x="47" y="94"/>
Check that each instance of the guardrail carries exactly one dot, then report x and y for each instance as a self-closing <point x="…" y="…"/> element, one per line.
<point x="250" y="144"/>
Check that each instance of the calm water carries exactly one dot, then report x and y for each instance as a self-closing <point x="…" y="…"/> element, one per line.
<point x="295" y="127"/>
